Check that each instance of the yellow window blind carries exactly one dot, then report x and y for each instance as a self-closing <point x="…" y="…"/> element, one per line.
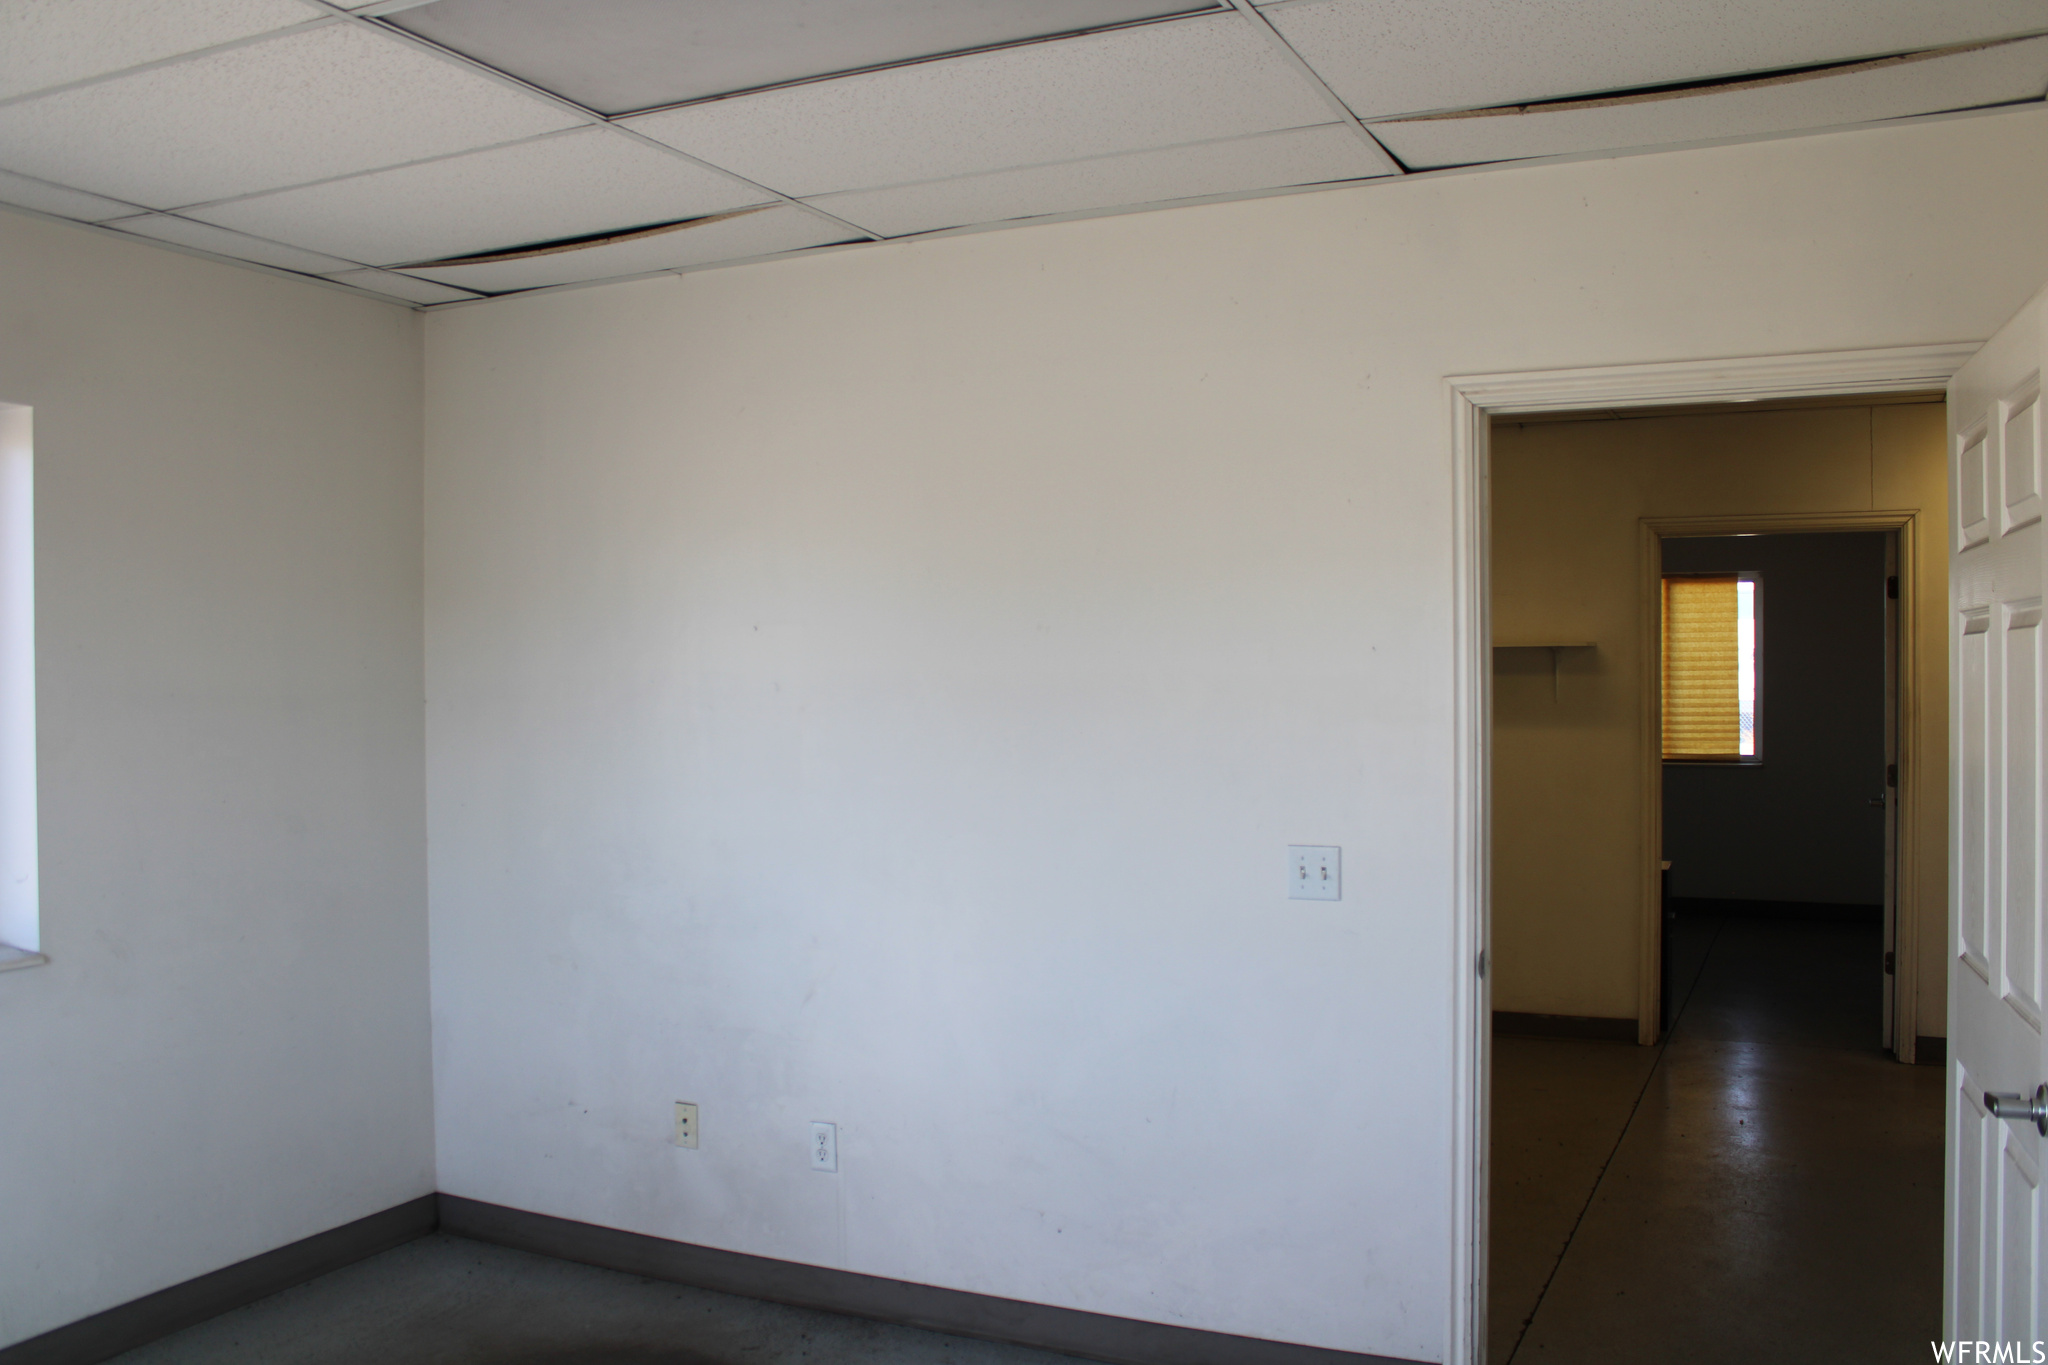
<point x="1702" y="698"/>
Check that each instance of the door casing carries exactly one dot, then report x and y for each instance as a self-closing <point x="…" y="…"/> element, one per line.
<point x="1475" y="400"/>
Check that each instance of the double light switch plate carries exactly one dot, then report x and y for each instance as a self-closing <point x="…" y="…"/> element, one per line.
<point x="1314" y="873"/>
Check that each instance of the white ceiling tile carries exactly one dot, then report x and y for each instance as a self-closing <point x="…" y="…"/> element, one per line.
<point x="1890" y="89"/>
<point x="1301" y="156"/>
<point x="726" y="239"/>
<point x="48" y="42"/>
<point x="203" y="237"/>
<point x="401" y="286"/>
<point x="46" y="198"/>
<point x="572" y="184"/>
<point x="278" y="112"/>
<point x="1185" y="80"/>
<point x="1388" y="57"/>
<point x="620" y="55"/>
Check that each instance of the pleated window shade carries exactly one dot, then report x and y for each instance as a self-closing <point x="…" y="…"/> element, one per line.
<point x="1702" y="668"/>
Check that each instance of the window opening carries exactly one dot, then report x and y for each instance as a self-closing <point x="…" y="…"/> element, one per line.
<point x="20" y="919"/>
<point x="1712" y="645"/>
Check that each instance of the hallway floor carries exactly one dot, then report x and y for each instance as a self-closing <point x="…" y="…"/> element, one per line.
<point x="1764" y="1186"/>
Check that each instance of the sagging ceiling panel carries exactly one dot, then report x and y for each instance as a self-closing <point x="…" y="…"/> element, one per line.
<point x="435" y="152"/>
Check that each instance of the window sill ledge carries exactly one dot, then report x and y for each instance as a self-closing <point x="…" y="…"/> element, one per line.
<point x="10" y="958"/>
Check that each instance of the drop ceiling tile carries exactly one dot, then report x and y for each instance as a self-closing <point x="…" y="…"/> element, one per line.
<point x="401" y="286"/>
<point x="620" y="55"/>
<point x="572" y="184"/>
<point x="278" y="112"/>
<point x="1388" y="57"/>
<point x="204" y="237"/>
<point x="1899" y="88"/>
<point x="738" y="237"/>
<point x="1301" y="156"/>
<point x="1186" y="80"/>
<point x="47" y="198"/>
<point x="48" y="42"/>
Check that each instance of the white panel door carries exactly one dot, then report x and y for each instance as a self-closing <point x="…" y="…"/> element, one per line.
<point x="1994" y="1255"/>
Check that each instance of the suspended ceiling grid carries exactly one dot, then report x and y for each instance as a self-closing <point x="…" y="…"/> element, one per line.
<point x="444" y="151"/>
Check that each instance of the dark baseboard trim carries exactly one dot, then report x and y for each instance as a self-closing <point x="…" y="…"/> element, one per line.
<point x="140" y="1321"/>
<point x="1821" y="911"/>
<point x="1095" y="1336"/>
<point x="1930" y="1051"/>
<point x="1563" y="1026"/>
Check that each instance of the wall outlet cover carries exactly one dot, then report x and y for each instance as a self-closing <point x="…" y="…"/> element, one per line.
<point x="686" y="1124"/>
<point x="824" y="1146"/>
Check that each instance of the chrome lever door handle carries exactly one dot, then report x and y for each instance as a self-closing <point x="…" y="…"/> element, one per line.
<point x="2022" y="1107"/>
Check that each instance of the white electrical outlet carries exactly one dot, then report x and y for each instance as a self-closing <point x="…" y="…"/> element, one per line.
<point x="686" y="1124"/>
<point x="1314" y="873"/>
<point x="824" y="1146"/>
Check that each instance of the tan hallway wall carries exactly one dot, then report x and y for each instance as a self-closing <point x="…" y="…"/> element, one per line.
<point x="1568" y="498"/>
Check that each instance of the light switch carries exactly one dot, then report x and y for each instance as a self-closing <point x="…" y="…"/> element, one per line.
<point x="1314" y="873"/>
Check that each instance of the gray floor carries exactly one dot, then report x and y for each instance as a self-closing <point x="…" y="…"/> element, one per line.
<point x="448" y="1301"/>
<point x="1765" y="1186"/>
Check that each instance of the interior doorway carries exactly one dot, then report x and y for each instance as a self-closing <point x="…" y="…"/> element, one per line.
<point x="1475" y="401"/>
<point x="1643" y="1170"/>
<point x="1805" y="823"/>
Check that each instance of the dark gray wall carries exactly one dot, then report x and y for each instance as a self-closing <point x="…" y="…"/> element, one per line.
<point x="1799" y="826"/>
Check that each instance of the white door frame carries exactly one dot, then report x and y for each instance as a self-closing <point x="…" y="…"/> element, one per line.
<point x="1475" y="401"/>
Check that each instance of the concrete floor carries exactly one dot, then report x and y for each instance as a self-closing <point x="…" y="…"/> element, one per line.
<point x="449" y="1301"/>
<point x="1765" y="1186"/>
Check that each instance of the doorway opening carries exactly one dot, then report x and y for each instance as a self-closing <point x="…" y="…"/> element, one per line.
<point x="1816" y="827"/>
<point x="1803" y="831"/>
<point x="1874" y="379"/>
<point x="1692" y="687"/>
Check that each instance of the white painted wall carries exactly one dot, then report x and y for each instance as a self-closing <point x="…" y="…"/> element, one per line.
<point x="881" y="688"/>
<point x="228" y="1048"/>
